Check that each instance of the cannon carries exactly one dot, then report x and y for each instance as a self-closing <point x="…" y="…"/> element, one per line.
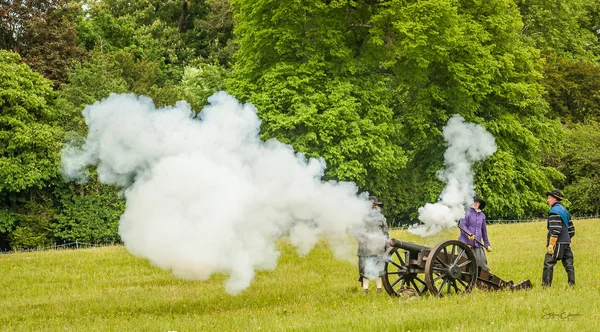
<point x="447" y="268"/>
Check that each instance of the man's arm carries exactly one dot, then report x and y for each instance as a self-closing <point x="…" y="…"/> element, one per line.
<point x="464" y="224"/>
<point x="384" y="228"/>
<point x="571" y="229"/>
<point x="554" y="225"/>
<point x="484" y="233"/>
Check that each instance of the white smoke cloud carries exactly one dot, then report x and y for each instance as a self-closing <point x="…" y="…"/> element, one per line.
<point x="468" y="143"/>
<point x="204" y="194"/>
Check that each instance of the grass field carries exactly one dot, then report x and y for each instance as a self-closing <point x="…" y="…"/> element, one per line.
<point x="110" y="290"/>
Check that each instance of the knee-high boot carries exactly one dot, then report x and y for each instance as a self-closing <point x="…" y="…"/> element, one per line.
<point x="547" y="277"/>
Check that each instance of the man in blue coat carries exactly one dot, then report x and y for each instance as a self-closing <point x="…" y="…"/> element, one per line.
<point x="558" y="242"/>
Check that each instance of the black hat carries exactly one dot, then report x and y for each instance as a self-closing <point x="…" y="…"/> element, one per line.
<point x="375" y="200"/>
<point x="555" y="193"/>
<point x="476" y="198"/>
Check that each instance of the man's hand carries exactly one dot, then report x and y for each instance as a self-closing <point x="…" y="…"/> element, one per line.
<point x="489" y="248"/>
<point x="471" y="237"/>
<point x="551" y="245"/>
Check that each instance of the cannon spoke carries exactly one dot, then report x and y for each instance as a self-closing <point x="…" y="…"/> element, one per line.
<point x="421" y="281"/>
<point x="438" y="269"/>
<point x="463" y="283"/>
<point x="399" y="258"/>
<point x="441" y="261"/>
<point x="439" y="293"/>
<point x="446" y="256"/>
<point x="414" y="284"/>
<point x="459" y="257"/>
<point x="467" y="273"/>
<point x="456" y="290"/>
<point x="395" y="282"/>
<point x="423" y="287"/>
<point x="396" y="265"/>
<point x="465" y="263"/>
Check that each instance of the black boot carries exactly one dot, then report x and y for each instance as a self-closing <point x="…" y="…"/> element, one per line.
<point x="571" y="278"/>
<point x="547" y="278"/>
<point x="549" y="263"/>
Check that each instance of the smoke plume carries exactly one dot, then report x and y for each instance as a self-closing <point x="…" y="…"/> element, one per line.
<point x="468" y="143"/>
<point x="205" y="194"/>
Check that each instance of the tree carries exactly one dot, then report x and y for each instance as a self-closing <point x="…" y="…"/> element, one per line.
<point x="43" y="33"/>
<point x="563" y="28"/>
<point x="573" y="87"/>
<point x="30" y="142"/>
<point x="470" y="58"/>
<point x="581" y="165"/>
<point x="316" y="86"/>
<point x="175" y="33"/>
<point x="405" y="67"/>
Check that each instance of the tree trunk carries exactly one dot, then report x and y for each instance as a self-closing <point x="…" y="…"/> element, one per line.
<point x="183" y="16"/>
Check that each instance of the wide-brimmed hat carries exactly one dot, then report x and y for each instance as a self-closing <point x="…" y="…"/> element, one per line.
<point x="375" y="200"/>
<point x="476" y="198"/>
<point x="555" y="193"/>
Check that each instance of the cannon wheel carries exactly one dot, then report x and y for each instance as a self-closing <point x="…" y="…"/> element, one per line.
<point x="399" y="278"/>
<point x="450" y="268"/>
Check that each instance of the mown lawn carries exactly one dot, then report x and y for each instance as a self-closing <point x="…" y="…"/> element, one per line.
<point x="108" y="289"/>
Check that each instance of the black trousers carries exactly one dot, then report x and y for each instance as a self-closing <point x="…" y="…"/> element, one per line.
<point x="563" y="253"/>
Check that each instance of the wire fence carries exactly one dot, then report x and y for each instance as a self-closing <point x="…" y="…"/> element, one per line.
<point x="507" y="221"/>
<point x="64" y="246"/>
<point x="80" y="245"/>
<point x="510" y="221"/>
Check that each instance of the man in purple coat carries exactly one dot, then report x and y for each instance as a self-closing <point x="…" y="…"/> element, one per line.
<point x="476" y="232"/>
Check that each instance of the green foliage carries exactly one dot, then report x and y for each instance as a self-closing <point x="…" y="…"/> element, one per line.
<point x="43" y="33"/>
<point x="36" y="208"/>
<point x="88" y="213"/>
<point x="7" y="221"/>
<point x="116" y="72"/>
<point x="581" y="165"/>
<point x="560" y="27"/>
<point x="29" y="137"/>
<point x="366" y="85"/>
<point x="480" y="66"/>
<point x="34" y="215"/>
<point x="172" y="33"/>
<point x="30" y="141"/>
<point x="200" y="82"/>
<point x="315" y="88"/>
<point x="573" y="87"/>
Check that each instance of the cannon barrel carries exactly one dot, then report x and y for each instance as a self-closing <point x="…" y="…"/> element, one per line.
<point x="413" y="247"/>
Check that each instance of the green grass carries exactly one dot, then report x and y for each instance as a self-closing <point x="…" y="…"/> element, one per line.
<point x="109" y="289"/>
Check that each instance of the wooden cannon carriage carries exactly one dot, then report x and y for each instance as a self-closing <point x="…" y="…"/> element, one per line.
<point x="448" y="268"/>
